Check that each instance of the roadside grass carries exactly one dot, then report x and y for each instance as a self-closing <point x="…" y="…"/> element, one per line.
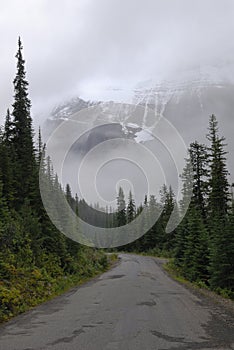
<point x="176" y="274"/>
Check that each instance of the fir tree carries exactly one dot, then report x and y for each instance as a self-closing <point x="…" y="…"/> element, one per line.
<point x="69" y="195"/>
<point x="121" y="208"/>
<point x="222" y="258"/>
<point x="131" y="208"/>
<point x="7" y="136"/>
<point x="219" y="187"/>
<point x="22" y="138"/>
<point x="196" y="255"/>
<point x="199" y="162"/>
<point x="7" y="169"/>
<point x="168" y="202"/>
<point x="220" y="231"/>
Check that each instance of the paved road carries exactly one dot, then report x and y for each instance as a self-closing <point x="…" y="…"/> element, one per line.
<point x="134" y="306"/>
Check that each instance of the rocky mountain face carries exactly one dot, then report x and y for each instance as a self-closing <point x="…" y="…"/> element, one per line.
<point x="186" y="102"/>
<point x="188" y="105"/>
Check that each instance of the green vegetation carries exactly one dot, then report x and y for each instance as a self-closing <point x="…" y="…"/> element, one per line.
<point x="202" y="245"/>
<point x="24" y="288"/>
<point x="37" y="262"/>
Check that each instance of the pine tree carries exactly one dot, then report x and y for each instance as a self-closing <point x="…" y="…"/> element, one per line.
<point x="7" y="168"/>
<point x="168" y="202"/>
<point x="8" y="128"/>
<point x="196" y="255"/>
<point x="131" y="208"/>
<point x="69" y="195"/>
<point x="22" y="138"/>
<point x="180" y="242"/>
<point x="199" y="162"/>
<point x="187" y="177"/>
<point x="191" y="244"/>
<point x="220" y="237"/>
<point x="121" y="208"/>
<point x="40" y="155"/>
<point x="219" y="187"/>
<point x="222" y="258"/>
<point x="155" y="236"/>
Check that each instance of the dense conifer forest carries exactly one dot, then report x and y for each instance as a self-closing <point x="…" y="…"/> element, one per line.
<point x="202" y="245"/>
<point x="36" y="260"/>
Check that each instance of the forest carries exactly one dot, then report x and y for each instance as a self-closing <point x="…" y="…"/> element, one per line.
<point x="201" y="247"/>
<point x="37" y="261"/>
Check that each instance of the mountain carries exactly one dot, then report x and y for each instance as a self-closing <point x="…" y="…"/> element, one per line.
<point x="186" y="101"/>
<point x="189" y="98"/>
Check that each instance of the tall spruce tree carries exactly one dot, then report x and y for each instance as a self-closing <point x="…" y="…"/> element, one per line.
<point x="191" y="244"/>
<point x="199" y="161"/>
<point x="168" y="202"/>
<point x="219" y="187"/>
<point x="196" y="257"/>
<point x="131" y="208"/>
<point x="22" y="135"/>
<point x="121" y="208"/>
<point x="222" y="258"/>
<point x="220" y="264"/>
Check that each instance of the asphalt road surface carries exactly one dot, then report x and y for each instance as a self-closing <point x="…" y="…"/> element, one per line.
<point x="134" y="306"/>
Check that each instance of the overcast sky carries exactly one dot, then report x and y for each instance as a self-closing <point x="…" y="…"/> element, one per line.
<point x="75" y="47"/>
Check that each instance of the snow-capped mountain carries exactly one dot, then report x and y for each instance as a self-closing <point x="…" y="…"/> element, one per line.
<point x="186" y="100"/>
<point x="66" y="109"/>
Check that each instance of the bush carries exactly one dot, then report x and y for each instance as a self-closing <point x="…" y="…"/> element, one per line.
<point x="22" y="288"/>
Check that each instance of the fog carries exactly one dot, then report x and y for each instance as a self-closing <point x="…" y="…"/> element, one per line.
<point x="87" y="48"/>
<point x="83" y="47"/>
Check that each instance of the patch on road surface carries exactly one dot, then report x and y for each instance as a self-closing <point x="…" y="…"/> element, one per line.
<point x="112" y="277"/>
<point x="147" y="303"/>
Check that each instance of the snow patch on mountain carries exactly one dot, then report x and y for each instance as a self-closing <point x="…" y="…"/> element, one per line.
<point x="143" y="136"/>
<point x="153" y="96"/>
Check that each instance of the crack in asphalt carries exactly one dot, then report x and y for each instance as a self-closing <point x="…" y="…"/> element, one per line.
<point x="168" y="337"/>
<point x="114" y="277"/>
<point x="69" y="339"/>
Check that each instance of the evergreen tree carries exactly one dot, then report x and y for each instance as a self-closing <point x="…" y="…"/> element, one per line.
<point x="121" y="208"/>
<point x="8" y="128"/>
<point x="150" y="238"/>
<point x="40" y="156"/>
<point x="220" y="231"/>
<point x="22" y="138"/>
<point x="131" y="208"/>
<point x="199" y="161"/>
<point x="219" y="187"/>
<point x="168" y="202"/>
<point x="7" y="169"/>
<point x="222" y="257"/>
<point x="69" y="195"/>
<point x="191" y="245"/>
<point x="180" y="242"/>
<point x="196" y="255"/>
